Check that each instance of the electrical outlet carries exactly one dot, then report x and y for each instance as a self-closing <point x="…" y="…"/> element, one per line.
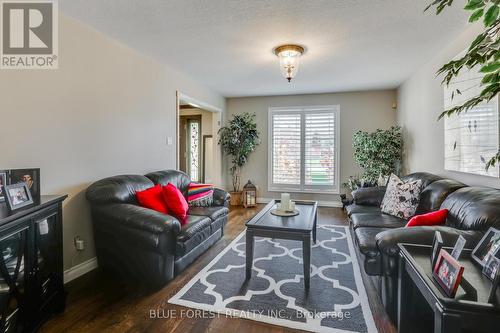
<point x="79" y="244"/>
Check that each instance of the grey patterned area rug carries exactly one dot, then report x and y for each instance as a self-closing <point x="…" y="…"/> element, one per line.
<point x="336" y="301"/>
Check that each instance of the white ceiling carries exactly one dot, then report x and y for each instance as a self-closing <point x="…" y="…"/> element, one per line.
<point x="227" y="44"/>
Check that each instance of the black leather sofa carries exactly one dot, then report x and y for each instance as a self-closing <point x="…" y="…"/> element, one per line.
<point x="472" y="210"/>
<point x="143" y="244"/>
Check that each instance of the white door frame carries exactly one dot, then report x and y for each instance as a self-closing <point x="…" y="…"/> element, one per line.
<point x="202" y="105"/>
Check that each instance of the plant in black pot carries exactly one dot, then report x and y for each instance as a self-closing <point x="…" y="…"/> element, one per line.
<point x="238" y="139"/>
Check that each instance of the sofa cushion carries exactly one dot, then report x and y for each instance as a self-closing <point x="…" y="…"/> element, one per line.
<point x="425" y="177"/>
<point x="369" y="196"/>
<point x="195" y="231"/>
<point x="401" y="198"/>
<point x="176" y="203"/>
<point x="178" y="178"/>
<point x="365" y="239"/>
<point x="356" y="209"/>
<point x="117" y="189"/>
<point x="213" y="212"/>
<point x="152" y="198"/>
<point x="433" y="218"/>
<point x="434" y="194"/>
<point x="473" y="208"/>
<point x="376" y="220"/>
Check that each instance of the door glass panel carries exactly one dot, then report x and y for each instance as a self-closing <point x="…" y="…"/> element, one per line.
<point x="194" y="150"/>
<point x="12" y="278"/>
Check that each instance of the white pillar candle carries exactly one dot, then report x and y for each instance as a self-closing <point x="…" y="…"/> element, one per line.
<point x="285" y="201"/>
<point x="292" y="205"/>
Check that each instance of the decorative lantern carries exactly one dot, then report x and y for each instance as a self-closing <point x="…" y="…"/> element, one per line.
<point x="249" y="195"/>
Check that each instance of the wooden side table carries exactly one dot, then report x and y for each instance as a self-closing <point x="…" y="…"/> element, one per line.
<point x="424" y="307"/>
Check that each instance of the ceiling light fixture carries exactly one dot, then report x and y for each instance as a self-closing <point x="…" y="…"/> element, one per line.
<point x="289" y="56"/>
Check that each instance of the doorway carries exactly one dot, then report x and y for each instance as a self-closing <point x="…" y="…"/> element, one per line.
<point x="198" y="154"/>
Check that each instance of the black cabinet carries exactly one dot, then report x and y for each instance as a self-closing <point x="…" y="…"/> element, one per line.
<point x="31" y="265"/>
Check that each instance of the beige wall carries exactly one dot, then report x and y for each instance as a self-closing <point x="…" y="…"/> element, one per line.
<point x="420" y="101"/>
<point x="358" y="111"/>
<point x="106" y="111"/>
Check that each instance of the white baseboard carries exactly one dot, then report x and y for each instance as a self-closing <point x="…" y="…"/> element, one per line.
<point x="333" y="203"/>
<point x="80" y="269"/>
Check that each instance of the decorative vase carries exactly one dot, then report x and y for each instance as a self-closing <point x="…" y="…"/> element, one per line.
<point x="235" y="198"/>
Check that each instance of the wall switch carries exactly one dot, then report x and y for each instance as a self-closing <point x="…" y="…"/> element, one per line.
<point x="169" y="140"/>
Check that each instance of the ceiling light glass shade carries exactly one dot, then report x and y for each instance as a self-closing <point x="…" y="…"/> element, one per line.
<point x="289" y="56"/>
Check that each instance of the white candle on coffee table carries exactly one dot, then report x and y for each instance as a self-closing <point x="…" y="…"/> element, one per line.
<point x="292" y="206"/>
<point x="285" y="201"/>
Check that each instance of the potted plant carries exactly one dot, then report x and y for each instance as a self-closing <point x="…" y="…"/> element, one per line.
<point x="378" y="153"/>
<point x="238" y="139"/>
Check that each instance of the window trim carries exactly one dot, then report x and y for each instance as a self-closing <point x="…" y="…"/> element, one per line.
<point x="315" y="189"/>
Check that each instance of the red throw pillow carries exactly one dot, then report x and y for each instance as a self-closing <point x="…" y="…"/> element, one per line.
<point x="432" y="218"/>
<point x="176" y="203"/>
<point x="152" y="198"/>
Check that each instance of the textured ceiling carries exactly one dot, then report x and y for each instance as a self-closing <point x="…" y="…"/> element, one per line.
<point x="227" y="44"/>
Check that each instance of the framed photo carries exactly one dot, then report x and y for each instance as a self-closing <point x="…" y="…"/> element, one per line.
<point x="448" y="273"/>
<point x="17" y="196"/>
<point x="459" y="246"/>
<point x="29" y="176"/>
<point x="437" y="244"/>
<point x="496" y="279"/>
<point x="491" y="266"/>
<point x="4" y="180"/>
<point x="487" y="246"/>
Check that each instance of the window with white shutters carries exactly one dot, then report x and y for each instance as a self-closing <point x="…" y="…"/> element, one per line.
<point x="303" y="151"/>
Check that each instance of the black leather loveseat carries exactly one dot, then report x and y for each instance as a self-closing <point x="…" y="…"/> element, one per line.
<point x="472" y="210"/>
<point x="143" y="244"/>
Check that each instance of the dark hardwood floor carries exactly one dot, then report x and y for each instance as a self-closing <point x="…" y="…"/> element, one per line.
<point x="99" y="303"/>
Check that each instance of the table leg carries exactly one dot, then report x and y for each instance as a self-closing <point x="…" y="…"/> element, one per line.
<point x="446" y="322"/>
<point x="314" y="227"/>
<point x="404" y="299"/>
<point x="249" y="253"/>
<point x="306" y="258"/>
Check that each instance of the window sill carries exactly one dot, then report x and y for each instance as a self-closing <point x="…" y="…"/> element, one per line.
<point x="290" y="190"/>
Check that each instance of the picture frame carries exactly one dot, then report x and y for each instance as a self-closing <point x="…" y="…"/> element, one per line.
<point x="17" y="196"/>
<point x="437" y="244"/>
<point x="29" y="176"/>
<point x="448" y="273"/>
<point x="491" y="266"/>
<point x="458" y="248"/>
<point x="494" y="285"/>
<point x="4" y="180"/>
<point x="487" y="246"/>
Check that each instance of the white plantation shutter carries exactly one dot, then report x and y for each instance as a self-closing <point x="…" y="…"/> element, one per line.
<point x="286" y="148"/>
<point x="303" y="153"/>
<point x="319" y="148"/>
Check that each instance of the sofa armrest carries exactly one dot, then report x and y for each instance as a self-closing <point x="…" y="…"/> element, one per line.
<point x="221" y="197"/>
<point x="369" y="196"/>
<point x="136" y="217"/>
<point x="387" y="241"/>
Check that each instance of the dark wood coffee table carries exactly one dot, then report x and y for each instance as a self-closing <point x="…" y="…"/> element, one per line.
<point x="300" y="227"/>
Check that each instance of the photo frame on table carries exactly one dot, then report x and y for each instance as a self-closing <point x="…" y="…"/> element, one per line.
<point x="487" y="246"/>
<point x="495" y="275"/>
<point x="17" y="196"/>
<point x="29" y="176"/>
<point x="4" y="180"/>
<point x="437" y="244"/>
<point x="448" y="273"/>
<point x="458" y="248"/>
<point x="491" y="266"/>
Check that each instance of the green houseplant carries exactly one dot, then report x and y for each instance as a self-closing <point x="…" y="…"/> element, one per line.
<point x="484" y="52"/>
<point x="238" y="139"/>
<point x="378" y="153"/>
